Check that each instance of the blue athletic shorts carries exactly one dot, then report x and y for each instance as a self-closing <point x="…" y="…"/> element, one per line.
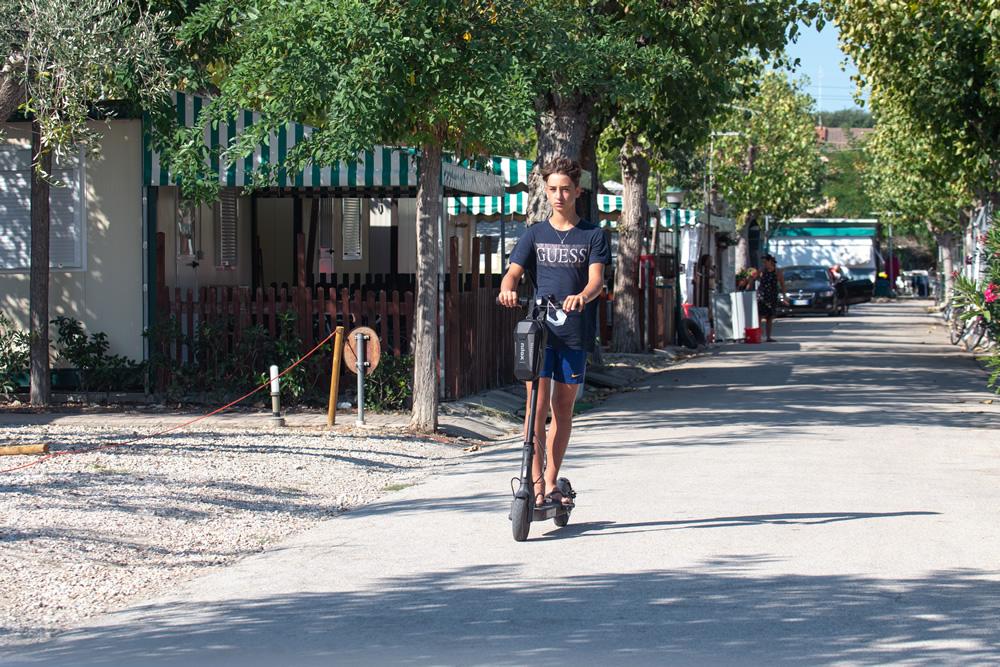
<point x="564" y="365"/>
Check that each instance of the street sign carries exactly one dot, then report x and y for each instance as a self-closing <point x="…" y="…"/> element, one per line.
<point x="372" y="353"/>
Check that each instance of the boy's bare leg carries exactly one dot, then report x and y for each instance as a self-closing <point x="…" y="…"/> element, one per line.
<point x="541" y="414"/>
<point x="563" y="398"/>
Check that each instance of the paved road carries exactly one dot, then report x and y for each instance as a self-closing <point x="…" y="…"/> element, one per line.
<point x="832" y="498"/>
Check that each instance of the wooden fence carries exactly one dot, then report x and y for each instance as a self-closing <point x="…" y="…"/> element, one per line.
<point x="230" y="311"/>
<point x="479" y="341"/>
<point x="478" y="346"/>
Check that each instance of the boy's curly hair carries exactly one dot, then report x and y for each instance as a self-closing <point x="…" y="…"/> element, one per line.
<point x="562" y="165"/>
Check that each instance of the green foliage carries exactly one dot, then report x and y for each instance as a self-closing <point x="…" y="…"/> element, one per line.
<point x="845" y="118"/>
<point x="453" y="73"/>
<point x="13" y="355"/>
<point x="772" y="165"/>
<point x="72" y="56"/>
<point x="843" y="183"/>
<point x="911" y="178"/>
<point x="223" y="372"/>
<point x="391" y="385"/>
<point x="936" y="63"/>
<point x="665" y="80"/>
<point x="97" y="370"/>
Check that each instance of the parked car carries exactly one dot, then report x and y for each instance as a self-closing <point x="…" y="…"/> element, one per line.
<point x="858" y="285"/>
<point x="811" y="289"/>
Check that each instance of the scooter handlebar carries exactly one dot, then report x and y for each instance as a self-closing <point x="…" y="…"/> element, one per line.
<point x="521" y="301"/>
<point x="525" y="301"/>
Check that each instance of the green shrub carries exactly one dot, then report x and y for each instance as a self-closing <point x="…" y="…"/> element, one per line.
<point x="390" y="387"/>
<point x="14" y="355"/>
<point x="224" y="370"/>
<point x="97" y="370"/>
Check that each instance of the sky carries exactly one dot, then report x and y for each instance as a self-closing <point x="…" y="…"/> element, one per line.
<point x="822" y="62"/>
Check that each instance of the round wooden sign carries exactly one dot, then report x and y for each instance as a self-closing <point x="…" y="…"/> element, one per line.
<point x="373" y="350"/>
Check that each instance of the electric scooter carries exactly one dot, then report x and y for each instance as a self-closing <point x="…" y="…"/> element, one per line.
<point x="529" y="351"/>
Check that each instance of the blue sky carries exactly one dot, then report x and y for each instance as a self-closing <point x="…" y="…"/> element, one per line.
<point x="822" y="62"/>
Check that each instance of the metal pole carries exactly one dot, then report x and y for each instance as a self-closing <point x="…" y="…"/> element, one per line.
<point x="503" y="237"/>
<point x="276" y="418"/>
<point x="892" y="277"/>
<point x="362" y="364"/>
<point x="677" y="275"/>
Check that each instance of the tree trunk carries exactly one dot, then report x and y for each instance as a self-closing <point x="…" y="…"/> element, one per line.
<point x="39" y="289"/>
<point x="586" y="206"/>
<point x="562" y="130"/>
<point x="11" y="90"/>
<point x="423" y="417"/>
<point x="946" y="241"/>
<point x="635" y="179"/>
<point x="743" y="244"/>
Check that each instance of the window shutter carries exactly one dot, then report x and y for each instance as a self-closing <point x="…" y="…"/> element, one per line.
<point x="351" y="229"/>
<point x="226" y="221"/>
<point x="65" y="216"/>
<point x="15" y="220"/>
<point x="65" y="212"/>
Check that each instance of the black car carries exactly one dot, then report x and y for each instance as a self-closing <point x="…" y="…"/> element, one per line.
<point x="857" y="284"/>
<point x="811" y="289"/>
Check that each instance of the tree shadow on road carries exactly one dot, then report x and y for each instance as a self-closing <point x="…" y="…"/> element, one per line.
<point x="719" y="612"/>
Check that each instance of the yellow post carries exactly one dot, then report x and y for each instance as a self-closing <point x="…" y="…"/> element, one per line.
<point x="338" y="355"/>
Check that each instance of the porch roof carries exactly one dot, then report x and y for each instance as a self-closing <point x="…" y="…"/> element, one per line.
<point x="668" y="217"/>
<point x="515" y="204"/>
<point x="382" y="168"/>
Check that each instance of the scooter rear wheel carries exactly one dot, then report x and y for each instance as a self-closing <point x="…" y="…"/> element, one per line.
<point x="562" y="519"/>
<point x="520" y="518"/>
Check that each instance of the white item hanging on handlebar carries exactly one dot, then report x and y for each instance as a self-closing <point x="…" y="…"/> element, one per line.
<point x="555" y="316"/>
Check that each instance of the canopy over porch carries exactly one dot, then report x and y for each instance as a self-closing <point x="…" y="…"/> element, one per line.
<point x="382" y="171"/>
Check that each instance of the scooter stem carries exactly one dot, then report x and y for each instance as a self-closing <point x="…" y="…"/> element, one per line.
<point x="527" y="487"/>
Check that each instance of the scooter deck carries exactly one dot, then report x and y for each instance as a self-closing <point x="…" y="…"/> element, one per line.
<point x="549" y="511"/>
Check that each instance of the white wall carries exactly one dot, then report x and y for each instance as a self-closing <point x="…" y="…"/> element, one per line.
<point x="106" y="295"/>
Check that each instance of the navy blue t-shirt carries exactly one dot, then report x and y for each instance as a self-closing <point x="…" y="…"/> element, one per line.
<point x="560" y="263"/>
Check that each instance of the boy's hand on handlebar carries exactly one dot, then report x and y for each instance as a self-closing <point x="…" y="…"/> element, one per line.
<point x="507" y="298"/>
<point x="574" y="302"/>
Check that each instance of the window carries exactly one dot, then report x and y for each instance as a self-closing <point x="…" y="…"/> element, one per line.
<point x="226" y="223"/>
<point x="188" y="222"/>
<point x="66" y="211"/>
<point x="351" y="228"/>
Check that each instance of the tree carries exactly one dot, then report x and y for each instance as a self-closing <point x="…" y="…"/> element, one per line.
<point x="914" y="182"/>
<point x="443" y="74"/>
<point x="654" y="74"/>
<point x="769" y="163"/>
<point x="64" y="59"/>
<point x="937" y="63"/>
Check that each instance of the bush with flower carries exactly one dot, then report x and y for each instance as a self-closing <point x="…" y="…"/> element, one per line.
<point x="982" y="299"/>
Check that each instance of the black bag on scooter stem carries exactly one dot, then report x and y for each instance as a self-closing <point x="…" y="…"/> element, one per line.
<point x="529" y="349"/>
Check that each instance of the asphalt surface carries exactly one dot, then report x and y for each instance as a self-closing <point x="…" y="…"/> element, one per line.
<point x="832" y="498"/>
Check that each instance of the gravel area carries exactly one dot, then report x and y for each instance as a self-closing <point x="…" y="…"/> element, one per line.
<point x="85" y="534"/>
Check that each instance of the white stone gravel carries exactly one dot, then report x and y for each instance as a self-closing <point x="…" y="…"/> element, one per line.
<point x="85" y="534"/>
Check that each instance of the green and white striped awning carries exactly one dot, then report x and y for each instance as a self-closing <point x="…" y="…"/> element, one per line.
<point x="382" y="167"/>
<point x="513" y="204"/>
<point x="514" y="171"/>
<point x="609" y="203"/>
<point x="686" y="217"/>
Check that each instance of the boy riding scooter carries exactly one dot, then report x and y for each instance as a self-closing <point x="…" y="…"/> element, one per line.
<point x="565" y="256"/>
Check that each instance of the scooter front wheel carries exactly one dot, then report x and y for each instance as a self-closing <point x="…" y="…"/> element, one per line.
<point x="520" y="518"/>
